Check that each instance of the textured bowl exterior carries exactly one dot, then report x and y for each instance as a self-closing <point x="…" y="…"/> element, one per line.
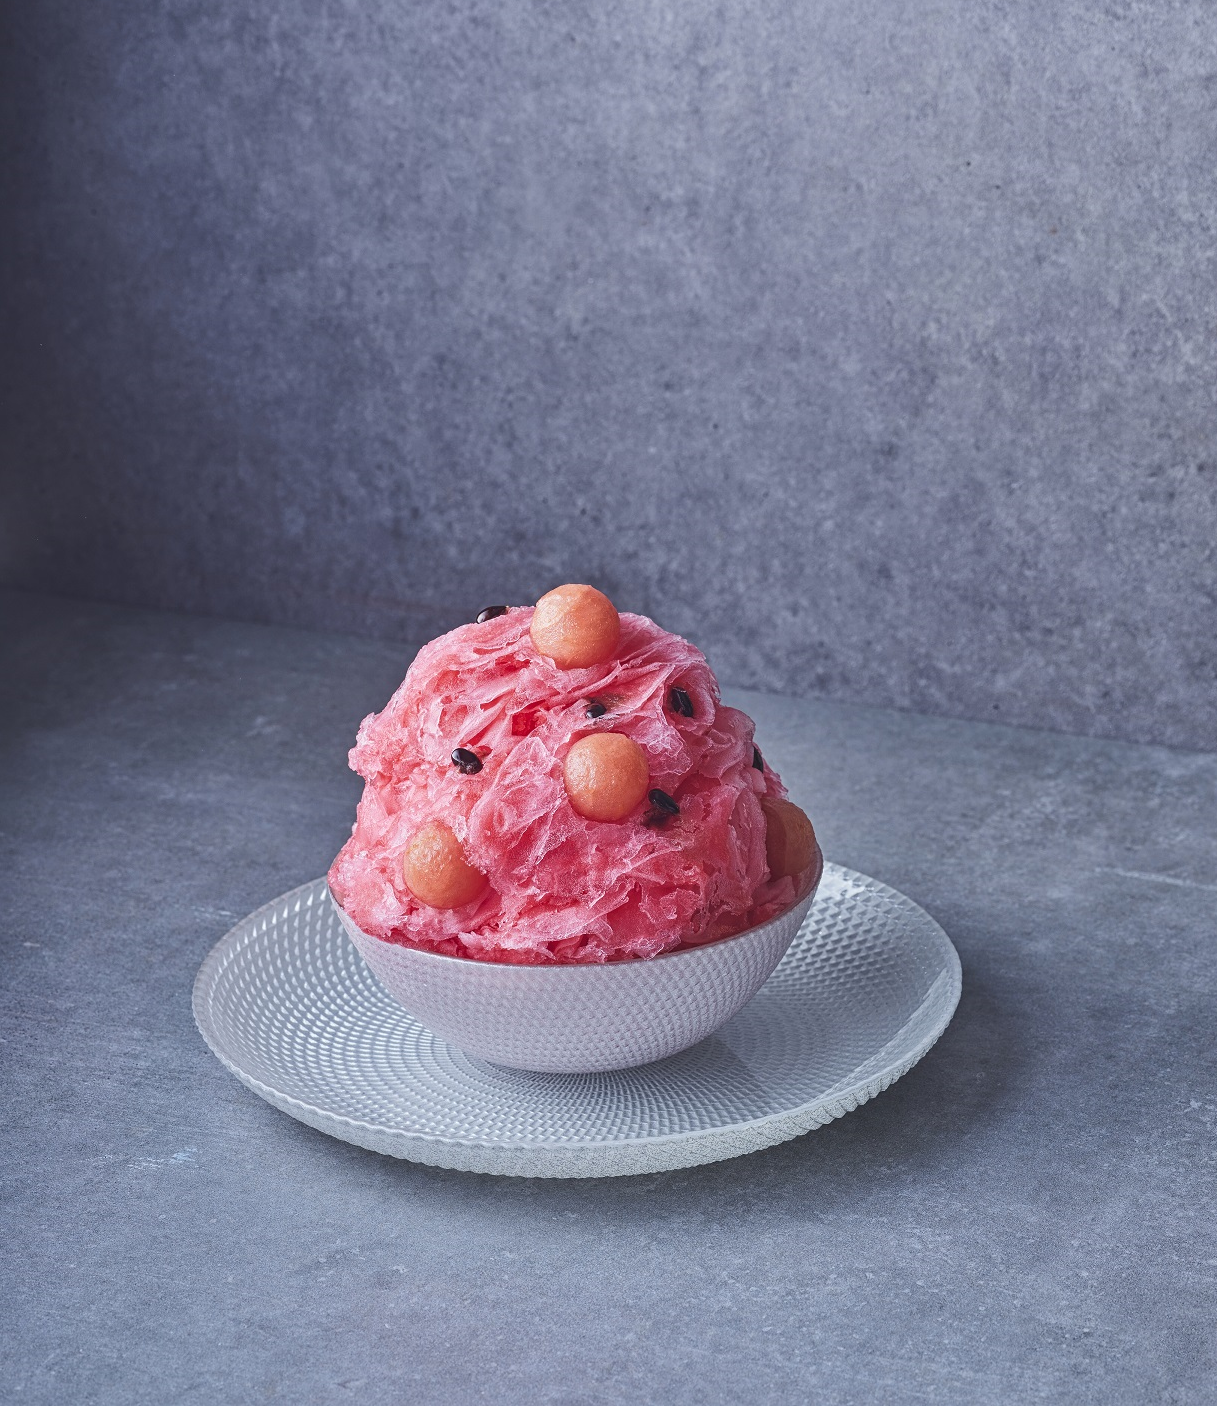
<point x="287" y="1004"/>
<point x="580" y="1018"/>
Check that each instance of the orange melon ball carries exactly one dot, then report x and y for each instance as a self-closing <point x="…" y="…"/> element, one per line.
<point x="790" y="842"/>
<point x="436" y="871"/>
<point x="606" y="775"/>
<point x="575" y="626"/>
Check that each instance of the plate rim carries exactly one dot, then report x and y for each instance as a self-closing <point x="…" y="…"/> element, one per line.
<point x="753" y="1134"/>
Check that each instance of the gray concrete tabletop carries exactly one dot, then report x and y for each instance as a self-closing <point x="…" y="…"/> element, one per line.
<point x="1030" y="1215"/>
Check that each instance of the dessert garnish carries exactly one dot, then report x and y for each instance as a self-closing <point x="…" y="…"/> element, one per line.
<point x="681" y="702"/>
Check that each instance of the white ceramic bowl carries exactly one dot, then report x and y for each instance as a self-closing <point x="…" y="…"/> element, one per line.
<point x="581" y="1018"/>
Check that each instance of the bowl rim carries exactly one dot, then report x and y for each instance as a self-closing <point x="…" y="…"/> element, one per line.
<point x="804" y="901"/>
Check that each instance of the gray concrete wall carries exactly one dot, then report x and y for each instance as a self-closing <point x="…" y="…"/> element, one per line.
<point x="870" y="346"/>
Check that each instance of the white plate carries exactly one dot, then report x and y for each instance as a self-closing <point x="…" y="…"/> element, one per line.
<point x="286" y="1003"/>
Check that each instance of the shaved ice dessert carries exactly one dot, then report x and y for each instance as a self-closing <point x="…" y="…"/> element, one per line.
<point x="560" y="784"/>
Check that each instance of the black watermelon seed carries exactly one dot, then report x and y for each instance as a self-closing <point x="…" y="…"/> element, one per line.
<point x="596" y="709"/>
<point x="467" y="763"/>
<point x="489" y="613"/>
<point x="681" y="702"/>
<point x="757" y="760"/>
<point x="663" y="802"/>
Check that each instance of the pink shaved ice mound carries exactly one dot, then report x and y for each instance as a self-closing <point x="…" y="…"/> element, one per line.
<point x="561" y="888"/>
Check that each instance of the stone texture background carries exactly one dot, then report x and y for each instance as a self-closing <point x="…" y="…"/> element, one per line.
<point x="870" y="347"/>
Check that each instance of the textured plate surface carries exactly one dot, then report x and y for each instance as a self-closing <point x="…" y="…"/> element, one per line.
<point x="286" y="1003"/>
